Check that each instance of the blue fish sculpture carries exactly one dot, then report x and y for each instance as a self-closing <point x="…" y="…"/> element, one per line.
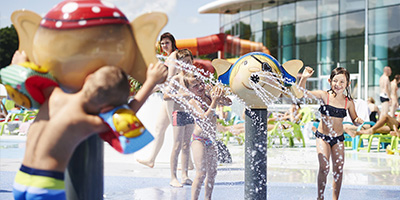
<point x="238" y="76"/>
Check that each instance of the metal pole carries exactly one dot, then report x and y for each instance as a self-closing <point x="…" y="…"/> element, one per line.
<point x="359" y="80"/>
<point x="84" y="175"/>
<point x="366" y="52"/>
<point x="255" y="154"/>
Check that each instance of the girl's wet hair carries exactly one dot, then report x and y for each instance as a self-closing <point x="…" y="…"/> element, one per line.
<point x="183" y="53"/>
<point x="337" y="71"/>
<point x="170" y="37"/>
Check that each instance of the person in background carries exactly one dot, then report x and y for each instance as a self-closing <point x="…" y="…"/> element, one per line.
<point x="385" y="125"/>
<point x="384" y="86"/>
<point x="168" y="47"/>
<point x="375" y="113"/>
<point x="182" y="121"/>
<point x="394" y="98"/>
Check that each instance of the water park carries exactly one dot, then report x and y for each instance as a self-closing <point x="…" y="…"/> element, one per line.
<point x="99" y="107"/>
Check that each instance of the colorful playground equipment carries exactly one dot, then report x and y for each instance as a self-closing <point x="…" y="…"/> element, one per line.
<point x="220" y="42"/>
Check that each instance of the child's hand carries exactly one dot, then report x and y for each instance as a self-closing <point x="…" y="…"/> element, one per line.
<point x="308" y="72"/>
<point x="157" y="73"/>
<point x="19" y="57"/>
<point x="216" y="93"/>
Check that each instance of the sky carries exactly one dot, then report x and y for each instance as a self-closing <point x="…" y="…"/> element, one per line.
<point x="184" y="21"/>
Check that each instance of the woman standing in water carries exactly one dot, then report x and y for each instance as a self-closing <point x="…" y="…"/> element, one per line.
<point x="168" y="48"/>
<point x="329" y="134"/>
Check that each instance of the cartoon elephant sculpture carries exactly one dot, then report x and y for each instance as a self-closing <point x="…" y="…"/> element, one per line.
<point x="239" y="75"/>
<point x="76" y="37"/>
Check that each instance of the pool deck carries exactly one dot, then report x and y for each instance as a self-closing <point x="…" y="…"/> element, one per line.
<point x="291" y="174"/>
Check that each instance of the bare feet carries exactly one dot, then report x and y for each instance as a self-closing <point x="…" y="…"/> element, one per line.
<point x="187" y="181"/>
<point x="366" y="131"/>
<point x="396" y="131"/>
<point x="352" y="133"/>
<point x="175" y="183"/>
<point x="146" y="162"/>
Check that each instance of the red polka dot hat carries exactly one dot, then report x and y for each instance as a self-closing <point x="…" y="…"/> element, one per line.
<point x="71" y="14"/>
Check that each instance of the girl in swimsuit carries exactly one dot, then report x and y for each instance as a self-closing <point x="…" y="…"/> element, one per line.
<point x="167" y="46"/>
<point x="204" y="150"/>
<point x="329" y="135"/>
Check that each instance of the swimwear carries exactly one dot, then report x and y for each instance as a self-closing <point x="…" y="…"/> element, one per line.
<point x="206" y="141"/>
<point x="373" y="117"/>
<point x="181" y="118"/>
<point x="330" y="140"/>
<point x="383" y="99"/>
<point x="32" y="184"/>
<point x="332" y="111"/>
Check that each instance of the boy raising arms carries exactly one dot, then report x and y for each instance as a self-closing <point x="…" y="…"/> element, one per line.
<point x="65" y="120"/>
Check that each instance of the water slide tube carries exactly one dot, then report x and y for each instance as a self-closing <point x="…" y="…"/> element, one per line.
<point x="220" y="42"/>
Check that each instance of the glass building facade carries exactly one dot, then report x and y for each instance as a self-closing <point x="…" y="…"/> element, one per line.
<point x="324" y="34"/>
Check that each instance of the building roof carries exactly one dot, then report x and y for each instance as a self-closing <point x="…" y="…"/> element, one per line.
<point x="233" y="6"/>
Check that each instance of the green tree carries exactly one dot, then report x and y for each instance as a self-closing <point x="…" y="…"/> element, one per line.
<point x="8" y="45"/>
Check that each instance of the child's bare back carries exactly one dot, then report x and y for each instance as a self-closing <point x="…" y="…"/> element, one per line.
<point x="59" y="127"/>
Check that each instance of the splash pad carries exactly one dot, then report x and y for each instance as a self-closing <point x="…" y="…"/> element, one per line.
<point x="258" y="80"/>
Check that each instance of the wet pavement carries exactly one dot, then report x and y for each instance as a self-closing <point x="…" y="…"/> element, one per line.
<point x="291" y="174"/>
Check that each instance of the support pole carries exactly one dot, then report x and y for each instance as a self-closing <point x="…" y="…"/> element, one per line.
<point x="84" y="175"/>
<point x="255" y="154"/>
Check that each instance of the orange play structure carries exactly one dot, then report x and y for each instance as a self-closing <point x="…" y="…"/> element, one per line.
<point x="220" y="42"/>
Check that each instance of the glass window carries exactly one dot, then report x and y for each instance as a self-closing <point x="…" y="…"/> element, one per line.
<point x="286" y="13"/>
<point x="352" y="24"/>
<point x="328" y="28"/>
<point x="226" y="19"/>
<point x="326" y="69"/>
<point x="273" y="52"/>
<point x="351" y="49"/>
<point x="380" y="3"/>
<point x="328" y="51"/>
<point x="306" y="10"/>
<point x="307" y="53"/>
<point x="306" y="31"/>
<point x="328" y="7"/>
<point x="287" y="34"/>
<point x="384" y="19"/>
<point x="351" y="5"/>
<point x="384" y="46"/>
<point x="235" y="17"/>
<point x="258" y="37"/>
<point x="270" y="38"/>
<point x="287" y="54"/>
<point x="270" y="17"/>
<point x="228" y="29"/>
<point x="244" y="11"/>
<point x="245" y="29"/>
<point x="256" y="21"/>
<point x="235" y="28"/>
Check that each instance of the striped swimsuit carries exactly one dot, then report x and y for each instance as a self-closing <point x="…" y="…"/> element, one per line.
<point x="32" y="183"/>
